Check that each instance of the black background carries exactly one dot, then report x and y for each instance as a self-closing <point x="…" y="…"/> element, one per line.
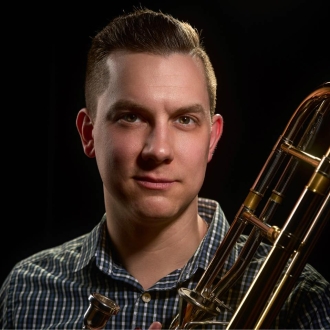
<point x="268" y="56"/>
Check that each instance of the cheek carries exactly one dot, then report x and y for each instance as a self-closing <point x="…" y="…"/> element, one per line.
<point x="196" y="148"/>
<point x="195" y="155"/>
<point x="114" y="152"/>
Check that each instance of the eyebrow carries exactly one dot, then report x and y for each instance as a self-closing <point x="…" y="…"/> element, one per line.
<point x="124" y="105"/>
<point x="129" y="105"/>
<point x="194" y="108"/>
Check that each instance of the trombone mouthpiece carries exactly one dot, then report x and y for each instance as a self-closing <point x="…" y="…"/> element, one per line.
<point x="99" y="311"/>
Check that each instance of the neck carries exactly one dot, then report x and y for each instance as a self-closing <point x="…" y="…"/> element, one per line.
<point x="151" y="252"/>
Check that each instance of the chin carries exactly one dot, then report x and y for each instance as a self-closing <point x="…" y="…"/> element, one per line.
<point x="161" y="209"/>
<point x="157" y="213"/>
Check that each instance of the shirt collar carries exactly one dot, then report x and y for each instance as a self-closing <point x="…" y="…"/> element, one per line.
<point x="96" y="245"/>
<point x="91" y="245"/>
<point x="212" y="213"/>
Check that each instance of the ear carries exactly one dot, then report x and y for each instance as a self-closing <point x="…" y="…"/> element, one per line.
<point x="85" y="127"/>
<point x="216" y="132"/>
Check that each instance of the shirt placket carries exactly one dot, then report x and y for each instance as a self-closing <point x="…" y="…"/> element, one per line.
<point x="143" y="310"/>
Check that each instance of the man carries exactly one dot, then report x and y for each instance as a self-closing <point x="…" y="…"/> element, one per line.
<point x="150" y="123"/>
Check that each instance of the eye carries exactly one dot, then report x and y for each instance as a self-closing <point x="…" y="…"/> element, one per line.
<point x="129" y="117"/>
<point x="185" y="120"/>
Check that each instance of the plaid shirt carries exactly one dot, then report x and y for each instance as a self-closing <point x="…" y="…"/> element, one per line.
<point x="50" y="289"/>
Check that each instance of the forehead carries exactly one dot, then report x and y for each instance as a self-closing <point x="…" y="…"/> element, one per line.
<point x="175" y="68"/>
<point x="172" y="77"/>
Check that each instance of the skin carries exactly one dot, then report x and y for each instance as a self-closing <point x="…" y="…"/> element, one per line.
<point x="152" y="138"/>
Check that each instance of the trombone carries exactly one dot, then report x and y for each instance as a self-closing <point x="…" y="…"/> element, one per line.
<point x="291" y="245"/>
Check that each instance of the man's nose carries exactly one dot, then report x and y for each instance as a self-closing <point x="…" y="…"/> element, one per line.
<point x="158" y="145"/>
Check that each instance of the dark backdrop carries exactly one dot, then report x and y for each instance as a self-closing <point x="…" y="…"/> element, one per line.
<point x="268" y="56"/>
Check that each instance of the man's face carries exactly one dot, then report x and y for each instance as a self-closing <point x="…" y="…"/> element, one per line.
<point x="153" y="135"/>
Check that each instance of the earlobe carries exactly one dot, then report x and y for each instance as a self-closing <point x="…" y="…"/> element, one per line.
<point x="216" y="132"/>
<point x="85" y="127"/>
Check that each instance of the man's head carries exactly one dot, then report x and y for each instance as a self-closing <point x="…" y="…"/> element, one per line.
<point x="143" y="31"/>
<point x="148" y="119"/>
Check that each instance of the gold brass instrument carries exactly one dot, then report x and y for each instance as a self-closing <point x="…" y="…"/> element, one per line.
<point x="291" y="245"/>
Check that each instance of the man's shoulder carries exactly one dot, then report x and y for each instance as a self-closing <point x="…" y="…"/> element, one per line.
<point x="312" y="280"/>
<point x="54" y="257"/>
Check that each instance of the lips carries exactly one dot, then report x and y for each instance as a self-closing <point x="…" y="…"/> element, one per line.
<point x="154" y="183"/>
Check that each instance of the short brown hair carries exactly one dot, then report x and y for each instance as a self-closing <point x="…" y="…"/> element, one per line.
<point x="143" y="30"/>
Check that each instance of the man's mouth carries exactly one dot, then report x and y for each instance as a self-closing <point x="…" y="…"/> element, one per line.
<point x="154" y="183"/>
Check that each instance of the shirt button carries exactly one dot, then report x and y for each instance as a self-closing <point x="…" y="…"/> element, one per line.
<point x="146" y="297"/>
